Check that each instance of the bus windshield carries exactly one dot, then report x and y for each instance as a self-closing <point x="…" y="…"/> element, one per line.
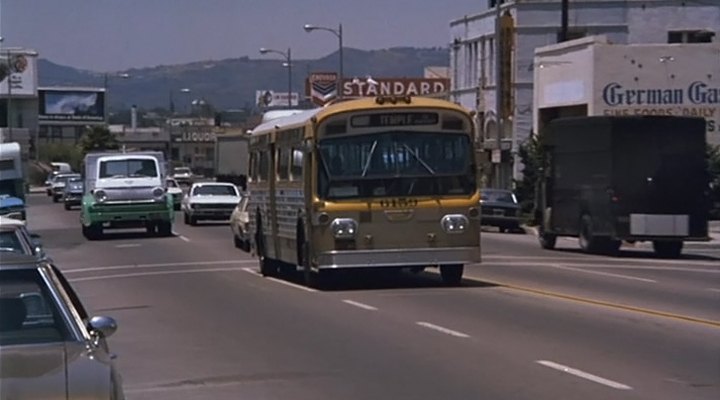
<point x="128" y="168"/>
<point x="396" y="163"/>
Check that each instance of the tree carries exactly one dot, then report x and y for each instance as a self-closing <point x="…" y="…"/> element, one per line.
<point x="98" y="138"/>
<point x="532" y="157"/>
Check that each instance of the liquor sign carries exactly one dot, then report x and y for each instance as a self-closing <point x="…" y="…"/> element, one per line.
<point x="321" y="87"/>
<point x="395" y="87"/>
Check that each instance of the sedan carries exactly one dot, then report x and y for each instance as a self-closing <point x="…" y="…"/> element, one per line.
<point x="210" y="201"/>
<point x="15" y="238"/>
<point x="49" y="347"/>
<point x="73" y="193"/>
<point x="58" y="185"/>
<point x="500" y="208"/>
<point x="239" y="221"/>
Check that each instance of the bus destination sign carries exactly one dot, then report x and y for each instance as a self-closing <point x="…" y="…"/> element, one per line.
<point x="394" y="119"/>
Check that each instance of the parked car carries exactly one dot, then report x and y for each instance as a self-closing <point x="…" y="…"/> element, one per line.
<point x="239" y="222"/>
<point x="49" y="347"/>
<point x="73" y="193"/>
<point x="58" y="185"/>
<point x="183" y="175"/>
<point x="174" y="190"/>
<point x="500" y="208"/>
<point x="210" y="201"/>
<point x="15" y="238"/>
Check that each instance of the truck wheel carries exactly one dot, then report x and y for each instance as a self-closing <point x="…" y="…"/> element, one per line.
<point x="56" y="199"/>
<point x="164" y="228"/>
<point x="452" y="274"/>
<point x="547" y="240"/>
<point x="612" y="247"/>
<point x="92" y="232"/>
<point x="150" y="228"/>
<point x="668" y="249"/>
<point x="588" y="243"/>
<point x="268" y="267"/>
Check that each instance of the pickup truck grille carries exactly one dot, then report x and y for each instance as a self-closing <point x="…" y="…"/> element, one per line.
<point x="213" y="206"/>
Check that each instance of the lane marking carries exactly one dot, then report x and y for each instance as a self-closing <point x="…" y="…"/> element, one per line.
<point x="712" y="289"/>
<point x="151" y="273"/>
<point x="360" y="305"/>
<point x="635" y="278"/>
<point x="128" y="245"/>
<point x="442" y="329"/>
<point x="601" y="303"/>
<point x="280" y="281"/>
<point x="184" y="238"/>
<point x="584" y="375"/>
<point x="159" y="265"/>
<point x="600" y="266"/>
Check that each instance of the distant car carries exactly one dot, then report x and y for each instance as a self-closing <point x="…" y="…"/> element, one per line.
<point x="183" y="175"/>
<point x="73" y="193"/>
<point x="49" y="347"/>
<point x="210" y="201"/>
<point x="58" y="185"/>
<point x="239" y="221"/>
<point x="15" y="238"/>
<point x="500" y="208"/>
<point x="174" y="190"/>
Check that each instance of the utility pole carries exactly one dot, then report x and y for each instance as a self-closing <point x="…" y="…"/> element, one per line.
<point x="563" y="21"/>
<point x="498" y="91"/>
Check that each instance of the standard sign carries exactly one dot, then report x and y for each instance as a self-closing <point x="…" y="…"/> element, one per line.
<point x="395" y="87"/>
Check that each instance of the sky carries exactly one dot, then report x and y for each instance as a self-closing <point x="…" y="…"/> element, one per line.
<point x="114" y="35"/>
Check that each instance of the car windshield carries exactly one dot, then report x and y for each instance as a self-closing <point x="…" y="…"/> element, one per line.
<point x="396" y="163"/>
<point x="215" y="190"/>
<point x="171" y="183"/>
<point x="29" y="314"/>
<point x="498" y="196"/>
<point x="64" y="179"/>
<point x="128" y="168"/>
<point x="10" y="242"/>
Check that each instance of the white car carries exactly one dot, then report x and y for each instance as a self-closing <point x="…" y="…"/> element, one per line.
<point x="239" y="225"/>
<point x="57" y="186"/>
<point x="174" y="190"/>
<point x="15" y="238"/>
<point x="183" y="175"/>
<point x="210" y="201"/>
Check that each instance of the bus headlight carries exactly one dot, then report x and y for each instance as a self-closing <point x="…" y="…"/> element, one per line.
<point x="100" y="195"/>
<point x="454" y="223"/>
<point x="344" y="228"/>
<point x="158" y="193"/>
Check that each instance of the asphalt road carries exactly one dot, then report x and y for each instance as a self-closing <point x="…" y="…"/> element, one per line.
<point x="196" y="321"/>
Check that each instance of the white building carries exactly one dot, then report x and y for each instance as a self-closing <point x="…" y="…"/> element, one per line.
<point x="537" y="24"/>
<point x="590" y="76"/>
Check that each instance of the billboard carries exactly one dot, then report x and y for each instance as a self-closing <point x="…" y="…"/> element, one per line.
<point x="71" y="105"/>
<point x="20" y="69"/>
<point x="321" y="87"/>
<point x="268" y="98"/>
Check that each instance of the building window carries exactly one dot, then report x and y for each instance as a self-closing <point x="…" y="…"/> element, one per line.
<point x="79" y="130"/>
<point x="43" y="132"/>
<point x="56" y="133"/>
<point x="690" y="36"/>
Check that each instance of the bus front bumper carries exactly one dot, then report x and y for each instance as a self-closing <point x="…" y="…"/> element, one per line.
<point x="396" y="257"/>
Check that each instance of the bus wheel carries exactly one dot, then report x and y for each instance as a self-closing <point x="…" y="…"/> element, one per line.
<point x="547" y="240"/>
<point x="452" y="274"/>
<point x="164" y="228"/>
<point x="668" y="249"/>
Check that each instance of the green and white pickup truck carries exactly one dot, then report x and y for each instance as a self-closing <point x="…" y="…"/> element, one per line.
<point x="126" y="190"/>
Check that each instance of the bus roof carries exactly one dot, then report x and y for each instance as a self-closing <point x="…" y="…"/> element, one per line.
<point x="352" y="105"/>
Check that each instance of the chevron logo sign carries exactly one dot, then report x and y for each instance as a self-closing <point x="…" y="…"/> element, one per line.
<point x="322" y="87"/>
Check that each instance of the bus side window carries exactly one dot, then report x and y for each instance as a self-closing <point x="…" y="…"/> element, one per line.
<point x="296" y="167"/>
<point x="252" y="164"/>
<point x="283" y="160"/>
<point x="264" y="166"/>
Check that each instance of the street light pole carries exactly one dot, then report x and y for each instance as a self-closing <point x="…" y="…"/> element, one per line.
<point x="288" y="64"/>
<point x="339" y="33"/>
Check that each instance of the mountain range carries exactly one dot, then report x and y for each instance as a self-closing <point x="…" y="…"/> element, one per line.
<point x="231" y="83"/>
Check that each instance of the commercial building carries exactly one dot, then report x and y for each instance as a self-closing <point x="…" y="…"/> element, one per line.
<point x="529" y="24"/>
<point x="19" y="98"/>
<point x="591" y="76"/>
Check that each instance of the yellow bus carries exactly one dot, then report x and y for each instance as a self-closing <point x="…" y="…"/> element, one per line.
<point x="370" y="183"/>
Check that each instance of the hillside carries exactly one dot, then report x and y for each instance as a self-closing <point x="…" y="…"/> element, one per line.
<point x="231" y="83"/>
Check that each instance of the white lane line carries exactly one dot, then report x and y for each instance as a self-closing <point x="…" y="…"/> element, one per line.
<point x="184" y="238"/>
<point x="280" y="281"/>
<point x="136" y="274"/>
<point x="712" y="289"/>
<point x="584" y="375"/>
<point x="605" y="266"/>
<point x="360" y="305"/>
<point x="634" y="278"/>
<point x="161" y="265"/>
<point x="128" y="245"/>
<point x="442" y="329"/>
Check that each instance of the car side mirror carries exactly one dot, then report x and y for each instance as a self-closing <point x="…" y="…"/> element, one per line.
<point x="105" y="325"/>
